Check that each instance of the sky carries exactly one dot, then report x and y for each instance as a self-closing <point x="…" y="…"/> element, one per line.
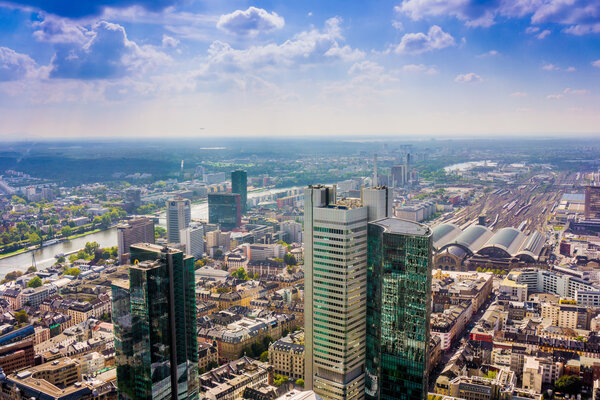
<point x="200" y="68"/>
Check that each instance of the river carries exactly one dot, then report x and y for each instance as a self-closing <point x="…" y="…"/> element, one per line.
<point x="44" y="257"/>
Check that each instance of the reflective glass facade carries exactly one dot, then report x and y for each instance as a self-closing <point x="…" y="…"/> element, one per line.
<point x="398" y="309"/>
<point x="121" y="317"/>
<point x="163" y="326"/>
<point x="239" y="184"/>
<point x="225" y="209"/>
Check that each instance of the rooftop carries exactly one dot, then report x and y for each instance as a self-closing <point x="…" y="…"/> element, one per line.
<point x="397" y="225"/>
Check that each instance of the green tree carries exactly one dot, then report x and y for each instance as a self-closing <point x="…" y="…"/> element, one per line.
<point x="21" y="317"/>
<point x="264" y="356"/>
<point x="300" y="382"/>
<point x="73" y="271"/>
<point x="31" y="269"/>
<point x="91" y="247"/>
<point x="11" y="276"/>
<point x="60" y="260"/>
<point x="289" y="259"/>
<point x="66" y="231"/>
<point x="280" y="380"/>
<point x="159" y="231"/>
<point x="34" y="238"/>
<point x="240" y="273"/>
<point x="35" y="282"/>
<point x="568" y="384"/>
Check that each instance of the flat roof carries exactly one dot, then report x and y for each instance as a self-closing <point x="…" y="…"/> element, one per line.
<point x="403" y="226"/>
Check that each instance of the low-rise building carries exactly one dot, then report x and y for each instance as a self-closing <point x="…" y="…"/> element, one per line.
<point x="287" y="356"/>
<point x="229" y="381"/>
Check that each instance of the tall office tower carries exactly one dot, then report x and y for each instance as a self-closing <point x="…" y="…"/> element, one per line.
<point x="134" y="196"/>
<point x="179" y="215"/>
<point x="239" y="185"/>
<point x="225" y="209"/>
<point x="592" y="202"/>
<point x="398" y="175"/>
<point x="407" y="168"/>
<point x="375" y="176"/>
<point x="335" y="268"/>
<point x="162" y="362"/>
<point x="398" y="309"/>
<point x="193" y="240"/>
<point x="138" y="230"/>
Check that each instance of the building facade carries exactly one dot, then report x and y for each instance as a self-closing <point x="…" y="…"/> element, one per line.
<point x="592" y="202"/>
<point x="398" y="309"/>
<point x="179" y="216"/>
<point x="225" y="209"/>
<point x="138" y="230"/>
<point x="193" y="240"/>
<point x="239" y="185"/>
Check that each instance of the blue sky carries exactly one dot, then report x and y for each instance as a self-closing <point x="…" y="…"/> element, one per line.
<point x="235" y="68"/>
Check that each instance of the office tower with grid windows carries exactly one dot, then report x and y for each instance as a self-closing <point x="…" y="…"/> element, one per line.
<point x="239" y="185"/>
<point x="398" y="309"/>
<point x="156" y="344"/>
<point x="179" y="216"/>
<point x="335" y="256"/>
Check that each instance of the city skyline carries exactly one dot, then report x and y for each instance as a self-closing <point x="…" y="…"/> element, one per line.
<point x="405" y="67"/>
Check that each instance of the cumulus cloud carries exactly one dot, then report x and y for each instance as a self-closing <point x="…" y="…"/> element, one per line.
<point x="59" y="30"/>
<point x="531" y="30"/>
<point x="518" y="94"/>
<point x="86" y="8"/>
<point x="169" y="41"/>
<point x="109" y="54"/>
<point x="596" y="63"/>
<point x="416" y="43"/>
<point x="250" y="22"/>
<point x="15" y="66"/>
<point x="553" y="67"/>
<point x="471" y="77"/>
<point x="305" y="47"/>
<point x="580" y="16"/>
<point x="543" y="34"/>
<point x="421" y="68"/>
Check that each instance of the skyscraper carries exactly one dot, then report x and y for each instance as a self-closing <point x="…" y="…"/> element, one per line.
<point x="225" y="209"/>
<point x="179" y="215"/>
<point x="193" y="240"/>
<point x="398" y="309"/>
<point x="335" y="268"/>
<point x="157" y="355"/>
<point x="592" y="202"/>
<point x="239" y="185"/>
<point x="137" y="230"/>
<point x="398" y="175"/>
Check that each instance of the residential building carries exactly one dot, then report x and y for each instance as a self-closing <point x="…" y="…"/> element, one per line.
<point x="17" y="355"/>
<point x="398" y="309"/>
<point x="207" y="355"/>
<point x="229" y="381"/>
<point x="225" y="209"/>
<point x="179" y="216"/>
<point x="163" y="358"/>
<point x="137" y="230"/>
<point x="239" y="185"/>
<point x="287" y="356"/>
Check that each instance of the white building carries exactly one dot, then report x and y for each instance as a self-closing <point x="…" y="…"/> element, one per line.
<point x="193" y="240"/>
<point x="179" y="216"/>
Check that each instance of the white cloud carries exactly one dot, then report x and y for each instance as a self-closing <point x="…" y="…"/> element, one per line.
<point x="554" y="96"/>
<point x="471" y="77"/>
<point x="550" y="67"/>
<point x="575" y="91"/>
<point x="518" y="94"/>
<point x="531" y="30"/>
<point x="169" y="41"/>
<point x="570" y="69"/>
<point x="543" y="34"/>
<point x="421" y="68"/>
<point x="585" y="29"/>
<point x="416" y="43"/>
<point x="60" y="30"/>
<point x="15" y="66"/>
<point x="490" y="53"/>
<point x="473" y="16"/>
<point x="250" y="22"/>
<point x="306" y="47"/>
<point x="398" y="25"/>
<point x="596" y="63"/>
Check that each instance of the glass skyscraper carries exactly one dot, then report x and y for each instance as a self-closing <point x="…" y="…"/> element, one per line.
<point x="239" y="185"/>
<point x="163" y="355"/>
<point x="399" y="255"/>
<point x="225" y="209"/>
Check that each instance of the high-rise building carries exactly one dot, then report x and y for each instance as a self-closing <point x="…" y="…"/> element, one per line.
<point x="156" y="345"/>
<point x="398" y="309"/>
<point x="179" y="216"/>
<point x="335" y="268"/>
<point x="138" y="230"/>
<point x="225" y="209"/>
<point x="592" y="202"/>
<point x="398" y="176"/>
<point x="193" y="240"/>
<point x="239" y="185"/>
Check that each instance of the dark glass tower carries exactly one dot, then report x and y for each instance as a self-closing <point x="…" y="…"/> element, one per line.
<point x="239" y="185"/>
<point x="164" y="354"/>
<point x="398" y="309"/>
<point x="225" y="209"/>
<point x="121" y="317"/>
